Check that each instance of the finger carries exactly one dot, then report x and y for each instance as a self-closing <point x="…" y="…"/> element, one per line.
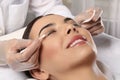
<point x="35" y="59"/>
<point x="97" y="32"/>
<point x="95" y="28"/>
<point x="24" y="43"/>
<point x="32" y="63"/>
<point x="26" y="67"/>
<point x="29" y="51"/>
<point x="90" y="24"/>
<point x="18" y="44"/>
<point x="29" y="64"/>
<point x="23" y="67"/>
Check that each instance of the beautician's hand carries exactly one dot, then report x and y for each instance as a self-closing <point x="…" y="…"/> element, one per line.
<point x="24" y="60"/>
<point x="91" y="20"/>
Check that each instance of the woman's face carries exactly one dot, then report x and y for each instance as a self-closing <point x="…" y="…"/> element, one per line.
<point x="67" y="45"/>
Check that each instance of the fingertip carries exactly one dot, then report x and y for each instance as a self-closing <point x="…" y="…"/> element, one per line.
<point x="26" y="41"/>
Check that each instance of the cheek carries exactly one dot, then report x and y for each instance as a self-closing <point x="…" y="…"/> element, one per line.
<point x="50" y="50"/>
<point x="87" y="34"/>
<point x="89" y="38"/>
<point x="91" y="41"/>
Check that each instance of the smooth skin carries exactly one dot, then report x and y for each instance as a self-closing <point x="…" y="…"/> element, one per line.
<point x="59" y="62"/>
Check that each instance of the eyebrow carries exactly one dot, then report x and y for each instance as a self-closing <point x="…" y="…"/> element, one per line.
<point x="67" y="19"/>
<point x="46" y="26"/>
<point x="51" y="24"/>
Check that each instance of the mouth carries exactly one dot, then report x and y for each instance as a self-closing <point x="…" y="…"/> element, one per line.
<point x="77" y="40"/>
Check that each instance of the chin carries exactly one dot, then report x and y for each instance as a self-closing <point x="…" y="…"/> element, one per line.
<point x="83" y="55"/>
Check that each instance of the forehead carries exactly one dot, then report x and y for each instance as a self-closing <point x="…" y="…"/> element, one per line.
<point x="43" y="21"/>
<point x="49" y="19"/>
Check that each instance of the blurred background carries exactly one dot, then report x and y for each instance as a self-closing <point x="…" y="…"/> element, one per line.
<point x="111" y="11"/>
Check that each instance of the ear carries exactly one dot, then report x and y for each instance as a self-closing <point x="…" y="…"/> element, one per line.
<point x="38" y="74"/>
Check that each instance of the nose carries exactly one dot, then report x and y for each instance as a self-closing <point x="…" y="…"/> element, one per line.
<point x="71" y="29"/>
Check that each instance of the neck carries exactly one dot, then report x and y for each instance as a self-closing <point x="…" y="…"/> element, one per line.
<point x="83" y="73"/>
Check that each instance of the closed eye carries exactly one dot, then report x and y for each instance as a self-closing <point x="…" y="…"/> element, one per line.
<point x="51" y="32"/>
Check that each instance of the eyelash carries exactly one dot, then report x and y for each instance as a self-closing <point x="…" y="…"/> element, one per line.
<point x="49" y="33"/>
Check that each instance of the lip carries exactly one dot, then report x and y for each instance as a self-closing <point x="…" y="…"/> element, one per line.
<point x="81" y="39"/>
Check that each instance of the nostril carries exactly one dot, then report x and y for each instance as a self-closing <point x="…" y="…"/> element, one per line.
<point x="77" y="31"/>
<point x="68" y="31"/>
<point x="74" y="29"/>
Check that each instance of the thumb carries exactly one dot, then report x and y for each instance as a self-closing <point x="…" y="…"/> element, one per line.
<point x="28" y="51"/>
<point x="23" y="43"/>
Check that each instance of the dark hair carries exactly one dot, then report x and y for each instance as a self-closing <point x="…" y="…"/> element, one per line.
<point x="29" y="27"/>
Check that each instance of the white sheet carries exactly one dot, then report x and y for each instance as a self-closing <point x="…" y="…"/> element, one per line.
<point x="8" y="74"/>
<point x="108" y="51"/>
<point x="17" y="34"/>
